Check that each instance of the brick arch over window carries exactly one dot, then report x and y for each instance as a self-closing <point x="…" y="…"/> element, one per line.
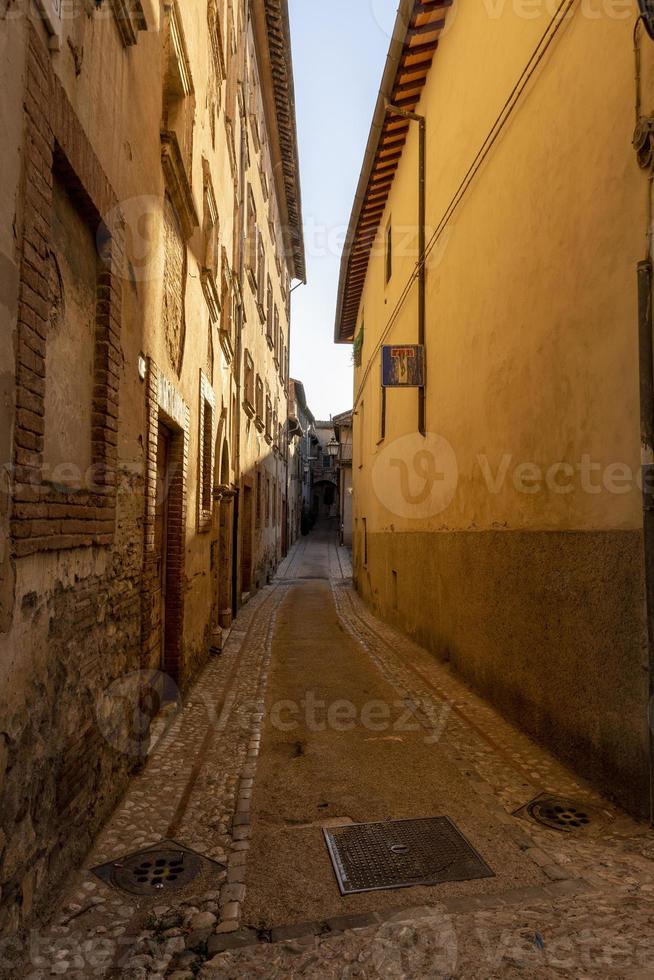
<point x="45" y="517"/>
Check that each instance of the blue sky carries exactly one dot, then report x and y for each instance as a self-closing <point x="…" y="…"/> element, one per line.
<point x="339" y="51"/>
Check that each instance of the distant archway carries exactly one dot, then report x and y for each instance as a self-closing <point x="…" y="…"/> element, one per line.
<point x="325" y="499"/>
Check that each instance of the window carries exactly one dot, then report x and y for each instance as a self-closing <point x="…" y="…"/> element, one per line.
<point x="258" y="403"/>
<point x="248" y="384"/>
<point x="270" y="325"/>
<point x="327" y="462"/>
<point x="357" y="349"/>
<point x="267" y="500"/>
<point x="205" y="454"/>
<point x="226" y="313"/>
<point x="276" y="335"/>
<point x="389" y="252"/>
<point x="210" y="225"/>
<point x="68" y="438"/>
<point x="251" y="244"/>
<point x="178" y="97"/>
<point x="268" y="419"/>
<point x="216" y="40"/>
<point x="207" y="433"/>
<point x="261" y="273"/>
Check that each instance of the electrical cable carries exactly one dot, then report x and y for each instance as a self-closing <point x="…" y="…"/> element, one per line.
<point x="497" y="128"/>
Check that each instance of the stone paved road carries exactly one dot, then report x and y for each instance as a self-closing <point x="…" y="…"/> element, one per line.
<point x="229" y="778"/>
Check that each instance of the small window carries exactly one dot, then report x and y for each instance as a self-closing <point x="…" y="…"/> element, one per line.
<point x="207" y="443"/>
<point x="258" y="402"/>
<point x="206" y="454"/>
<point x="251" y="256"/>
<point x="248" y="383"/>
<point x="261" y="269"/>
<point x="389" y="252"/>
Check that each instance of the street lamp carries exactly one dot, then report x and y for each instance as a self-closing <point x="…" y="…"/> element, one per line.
<point x="333" y="447"/>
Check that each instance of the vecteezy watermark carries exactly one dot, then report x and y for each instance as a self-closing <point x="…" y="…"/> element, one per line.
<point x="142" y="220"/>
<point x="383" y="718"/>
<point x="425" y="946"/>
<point x="125" y="710"/>
<point x="384" y="15"/>
<point x="417" y="477"/>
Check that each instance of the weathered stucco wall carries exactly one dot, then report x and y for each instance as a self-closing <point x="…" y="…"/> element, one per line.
<point x="119" y="293"/>
<point x="524" y="565"/>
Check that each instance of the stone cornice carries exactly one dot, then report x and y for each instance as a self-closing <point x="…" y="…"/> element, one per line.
<point x="177" y="183"/>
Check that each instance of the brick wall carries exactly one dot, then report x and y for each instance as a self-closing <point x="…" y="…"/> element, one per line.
<point x="45" y="517"/>
<point x="61" y="767"/>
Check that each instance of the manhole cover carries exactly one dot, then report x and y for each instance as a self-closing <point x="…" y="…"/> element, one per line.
<point x="155" y="871"/>
<point x="400" y="854"/>
<point x="560" y="814"/>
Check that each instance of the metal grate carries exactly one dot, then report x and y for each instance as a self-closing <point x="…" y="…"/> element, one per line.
<point x="560" y="814"/>
<point x="400" y="854"/>
<point x="155" y="871"/>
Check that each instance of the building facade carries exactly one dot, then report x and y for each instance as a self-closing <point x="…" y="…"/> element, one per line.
<point x="343" y="432"/>
<point x="301" y="433"/>
<point x="137" y="135"/>
<point x="324" y="473"/>
<point x="497" y="508"/>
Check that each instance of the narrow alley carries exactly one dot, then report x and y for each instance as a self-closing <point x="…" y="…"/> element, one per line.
<point x="317" y="716"/>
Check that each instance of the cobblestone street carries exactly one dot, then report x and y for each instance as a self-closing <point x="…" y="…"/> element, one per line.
<point x="235" y="779"/>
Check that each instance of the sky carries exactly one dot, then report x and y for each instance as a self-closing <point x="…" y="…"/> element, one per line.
<point x="339" y="51"/>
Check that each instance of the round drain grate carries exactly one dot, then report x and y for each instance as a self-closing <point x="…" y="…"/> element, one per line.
<point x="560" y="814"/>
<point x="151" y="872"/>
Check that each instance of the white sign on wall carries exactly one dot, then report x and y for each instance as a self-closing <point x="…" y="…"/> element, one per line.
<point x="52" y="13"/>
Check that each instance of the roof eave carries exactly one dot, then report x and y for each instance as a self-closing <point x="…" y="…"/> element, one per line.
<point x="272" y="25"/>
<point x="393" y="58"/>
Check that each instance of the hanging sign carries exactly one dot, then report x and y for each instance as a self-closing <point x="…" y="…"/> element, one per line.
<point x="403" y="366"/>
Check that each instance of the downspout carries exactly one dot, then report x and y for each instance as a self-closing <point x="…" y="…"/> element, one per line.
<point x="422" y="243"/>
<point x="646" y="357"/>
<point x="643" y="146"/>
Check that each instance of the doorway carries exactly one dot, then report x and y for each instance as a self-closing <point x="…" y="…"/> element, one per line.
<point x="225" y="543"/>
<point x="161" y="542"/>
<point x="246" y="563"/>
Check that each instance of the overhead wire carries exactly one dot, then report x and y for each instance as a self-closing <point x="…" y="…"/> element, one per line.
<point x="495" y="131"/>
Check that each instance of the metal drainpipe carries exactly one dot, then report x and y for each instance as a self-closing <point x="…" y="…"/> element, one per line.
<point x="646" y="365"/>
<point x="643" y="145"/>
<point x="422" y="242"/>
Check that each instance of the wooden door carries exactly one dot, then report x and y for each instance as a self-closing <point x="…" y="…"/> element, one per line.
<point x="161" y="538"/>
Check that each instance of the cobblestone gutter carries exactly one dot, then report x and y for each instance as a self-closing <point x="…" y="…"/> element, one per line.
<point x="593" y="918"/>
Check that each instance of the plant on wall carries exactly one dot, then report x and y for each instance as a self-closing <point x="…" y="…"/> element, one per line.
<point x="358" y="348"/>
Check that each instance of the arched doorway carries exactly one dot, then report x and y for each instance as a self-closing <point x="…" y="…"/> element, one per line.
<point x="325" y="500"/>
